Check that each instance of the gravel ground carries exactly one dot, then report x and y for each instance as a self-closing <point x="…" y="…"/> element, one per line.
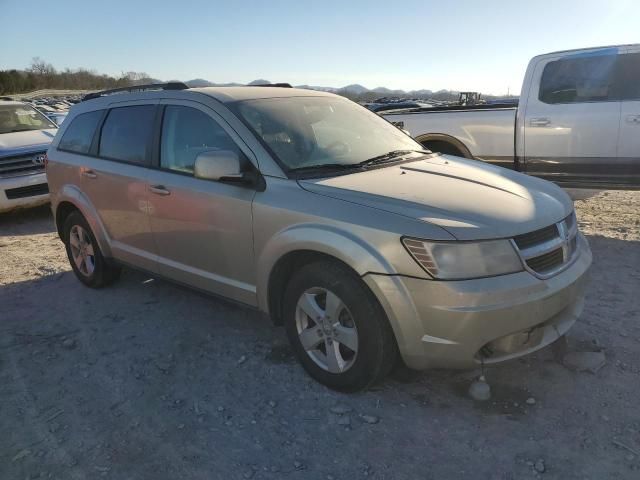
<point x="149" y="380"/>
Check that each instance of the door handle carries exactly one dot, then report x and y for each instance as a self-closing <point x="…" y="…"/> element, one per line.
<point x="89" y="174"/>
<point x="159" y="190"/>
<point x="539" y="122"/>
<point x="635" y="119"/>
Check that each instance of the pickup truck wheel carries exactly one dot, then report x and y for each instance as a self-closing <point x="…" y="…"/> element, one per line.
<point x="337" y="328"/>
<point x="84" y="253"/>
<point x="443" y="147"/>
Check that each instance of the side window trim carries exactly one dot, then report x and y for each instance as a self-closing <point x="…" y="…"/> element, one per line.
<point x="156" y="137"/>
<point x="95" y="141"/>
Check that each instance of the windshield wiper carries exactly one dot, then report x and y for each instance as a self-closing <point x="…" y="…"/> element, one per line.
<point x="20" y="130"/>
<point x="386" y="157"/>
<point x="327" y="166"/>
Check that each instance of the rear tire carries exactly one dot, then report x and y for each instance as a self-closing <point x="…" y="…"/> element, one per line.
<point x="84" y="253"/>
<point x="443" y="147"/>
<point x="346" y="343"/>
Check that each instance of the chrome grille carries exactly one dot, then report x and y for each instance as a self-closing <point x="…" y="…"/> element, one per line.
<point x="22" y="164"/>
<point x="539" y="236"/>
<point x="549" y="250"/>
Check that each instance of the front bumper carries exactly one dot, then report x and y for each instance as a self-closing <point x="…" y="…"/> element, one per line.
<point x="461" y="324"/>
<point x="25" y="182"/>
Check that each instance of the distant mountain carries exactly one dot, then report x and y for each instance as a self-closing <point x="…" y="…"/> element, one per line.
<point x="353" y="90"/>
<point x="386" y="91"/>
<point x="259" y="82"/>
<point x="421" y="93"/>
<point x="199" y="82"/>
<point x="321" y="89"/>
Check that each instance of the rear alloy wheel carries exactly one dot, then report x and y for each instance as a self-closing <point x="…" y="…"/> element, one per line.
<point x="337" y="328"/>
<point x="84" y="253"/>
<point x="82" y="250"/>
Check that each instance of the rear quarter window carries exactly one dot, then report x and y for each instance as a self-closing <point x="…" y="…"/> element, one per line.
<point x="79" y="135"/>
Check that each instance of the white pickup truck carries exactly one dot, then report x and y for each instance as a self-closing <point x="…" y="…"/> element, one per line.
<point x="577" y="122"/>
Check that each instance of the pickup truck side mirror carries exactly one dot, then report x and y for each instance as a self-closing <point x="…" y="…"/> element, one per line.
<point x="225" y="166"/>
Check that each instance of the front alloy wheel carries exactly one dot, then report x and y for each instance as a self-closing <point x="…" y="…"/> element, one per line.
<point x="336" y="326"/>
<point x="326" y="330"/>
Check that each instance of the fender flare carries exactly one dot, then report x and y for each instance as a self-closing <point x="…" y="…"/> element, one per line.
<point x="443" y="137"/>
<point x="72" y="194"/>
<point x="350" y="249"/>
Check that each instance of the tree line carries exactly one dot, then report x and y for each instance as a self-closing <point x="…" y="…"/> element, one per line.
<point x="42" y="75"/>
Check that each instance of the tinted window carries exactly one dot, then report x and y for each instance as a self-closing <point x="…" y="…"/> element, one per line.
<point x="578" y="79"/>
<point x="126" y="133"/>
<point x="79" y="135"/>
<point x="186" y="132"/>
<point x="628" y="83"/>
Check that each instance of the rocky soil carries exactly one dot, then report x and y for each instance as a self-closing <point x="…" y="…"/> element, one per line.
<point x="147" y="380"/>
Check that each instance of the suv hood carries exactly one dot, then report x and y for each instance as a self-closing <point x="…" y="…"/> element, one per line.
<point x="21" y="142"/>
<point x="470" y="199"/>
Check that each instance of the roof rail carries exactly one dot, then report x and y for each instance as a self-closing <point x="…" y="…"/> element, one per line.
<point x="136" y="88"/>
<point x="281" y="85"/>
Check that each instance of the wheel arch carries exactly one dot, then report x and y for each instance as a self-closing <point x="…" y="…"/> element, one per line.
<point x="445" y="138"/>
<point x="70" y="199"/>
<point x="299" y="246"/>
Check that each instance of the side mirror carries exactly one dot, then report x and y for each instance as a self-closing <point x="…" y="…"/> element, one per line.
<point x="218" y="165"/>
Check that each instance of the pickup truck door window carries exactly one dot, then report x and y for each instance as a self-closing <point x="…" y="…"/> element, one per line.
<point x="114" y="177"/>
<point x="202" y="228"/>
<point x="629" y="92"/>
<point x="572" y="119"/>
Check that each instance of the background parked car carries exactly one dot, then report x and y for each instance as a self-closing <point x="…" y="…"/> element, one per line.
<point x="25" y="135"/>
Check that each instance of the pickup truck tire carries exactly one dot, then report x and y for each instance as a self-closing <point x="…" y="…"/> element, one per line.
<point x="337" y="328"/>
<point x="83" y="252"/>
<point x="443" y="147"/>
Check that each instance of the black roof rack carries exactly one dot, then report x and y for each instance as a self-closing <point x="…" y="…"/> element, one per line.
<point x="137" y="88"/>
<point x="281" y="85"/>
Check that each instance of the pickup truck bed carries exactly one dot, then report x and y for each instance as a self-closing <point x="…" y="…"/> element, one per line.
<point x="485" y="132"/>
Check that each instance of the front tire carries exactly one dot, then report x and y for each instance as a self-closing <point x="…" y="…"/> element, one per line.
<point x="84" y="253"/>
<point x="337" y="328"/>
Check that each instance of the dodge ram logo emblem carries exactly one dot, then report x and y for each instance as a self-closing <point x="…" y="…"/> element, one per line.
<point x="38" y="159"/>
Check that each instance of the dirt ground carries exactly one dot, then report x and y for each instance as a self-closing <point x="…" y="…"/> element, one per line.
<point x="149" y="380"/>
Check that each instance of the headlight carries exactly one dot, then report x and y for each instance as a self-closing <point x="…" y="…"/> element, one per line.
<point x="464" y="260"/>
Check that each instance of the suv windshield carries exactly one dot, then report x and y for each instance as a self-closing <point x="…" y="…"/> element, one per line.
<point x="20" y="118"/>
<point x="308" y="132"/>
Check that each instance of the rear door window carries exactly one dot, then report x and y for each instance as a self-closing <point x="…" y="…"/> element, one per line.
<point x="79" y="135"/>
<point x="126" y="134"/>
<point x="628" y="78"/>
<point x="579" y="79"/>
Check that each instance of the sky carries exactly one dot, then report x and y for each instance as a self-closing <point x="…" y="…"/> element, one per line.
<point x="458" y="44"/>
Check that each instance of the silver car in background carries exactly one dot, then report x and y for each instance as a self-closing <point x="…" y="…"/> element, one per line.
<point x="326" y="217"/>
